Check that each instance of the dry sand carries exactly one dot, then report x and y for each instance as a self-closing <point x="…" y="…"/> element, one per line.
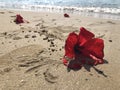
<point x="30" y="53"/>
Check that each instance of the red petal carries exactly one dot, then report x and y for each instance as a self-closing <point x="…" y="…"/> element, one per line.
<point x="70" y="44"/>
<point x="74" y="64"/>
<point x="84" y="36"/>
<point x="19" y="19"/>
<point x="95" y="47"/>
<point x="66" y="15"/>
<point x="64" y="61"/>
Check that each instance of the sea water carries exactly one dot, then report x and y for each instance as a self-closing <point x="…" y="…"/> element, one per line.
<point x="97" y="8"/>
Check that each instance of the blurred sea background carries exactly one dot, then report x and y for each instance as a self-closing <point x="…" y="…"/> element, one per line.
<point x="108" y="9"/>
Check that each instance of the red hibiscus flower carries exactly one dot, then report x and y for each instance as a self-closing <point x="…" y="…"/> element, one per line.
<point x="83" y="49"/>
<point x="19" y="19"/>
<point x="66" y="15"/>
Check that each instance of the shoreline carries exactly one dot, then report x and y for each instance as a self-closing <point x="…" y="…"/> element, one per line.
<point x="96" y="12"/>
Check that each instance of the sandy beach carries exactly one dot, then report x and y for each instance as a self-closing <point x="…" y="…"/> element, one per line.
<point x="31" y="53"/>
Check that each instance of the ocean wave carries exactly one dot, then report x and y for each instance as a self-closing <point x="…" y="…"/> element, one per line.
<point x="97" y="11"/>
<point x="61" y="8"/>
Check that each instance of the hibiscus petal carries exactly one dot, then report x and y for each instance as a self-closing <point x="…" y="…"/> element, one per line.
<point x="84" y="36"/>
<point x="19" y="19"/>
<point x="94" y="47"/>
<point x="74" y="65"/>
<point x="70" y="44"/>
<point x="66" y="15"/>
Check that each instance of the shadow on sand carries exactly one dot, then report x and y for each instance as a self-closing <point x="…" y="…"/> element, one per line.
<point x="88" y="67"/>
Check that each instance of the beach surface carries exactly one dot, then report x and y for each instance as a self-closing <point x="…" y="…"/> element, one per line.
<point x="31" y="53"/>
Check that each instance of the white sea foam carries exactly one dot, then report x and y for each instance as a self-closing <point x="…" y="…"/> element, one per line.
<point x="2" y="4"/>
<point x="89" y="11"/>
<point x="71" y="9"/>
<point x="65" y="8"/>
